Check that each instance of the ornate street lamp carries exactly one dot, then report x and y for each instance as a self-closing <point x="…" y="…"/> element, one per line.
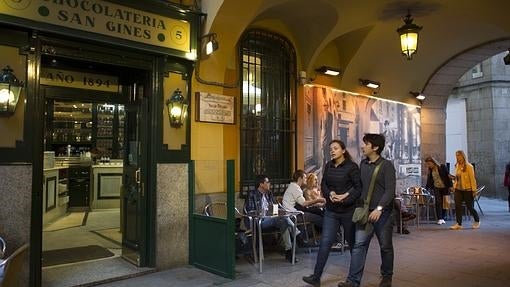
<point x="177" y="109"/>
<point x="10" y="89"/>
<point x="409" y="36"/>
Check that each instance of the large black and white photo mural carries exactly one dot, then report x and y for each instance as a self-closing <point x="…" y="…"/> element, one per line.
<point x="334" y="114"/>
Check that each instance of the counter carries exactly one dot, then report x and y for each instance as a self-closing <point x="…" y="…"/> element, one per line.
<point x="55" y="194"/>
<point x="107" y="183"/>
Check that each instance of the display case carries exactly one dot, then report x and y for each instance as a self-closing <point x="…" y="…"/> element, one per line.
<point x="75" y="128"/>
<point x="69" y="127"/>
<point x="109" y="130"/>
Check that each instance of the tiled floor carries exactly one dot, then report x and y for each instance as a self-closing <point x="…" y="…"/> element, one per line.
<point x="433" y="256"/>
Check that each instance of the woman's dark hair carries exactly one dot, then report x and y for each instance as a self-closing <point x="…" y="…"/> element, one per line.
<point x="433" y="160"/>
<point x="376" y="140"/>
<point x="347" y="155"/>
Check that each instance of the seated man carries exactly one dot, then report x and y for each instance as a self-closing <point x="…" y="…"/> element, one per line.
<point x="260" y="200"/>
<point x="402" y="214"/>
<point x="293" y="197"/>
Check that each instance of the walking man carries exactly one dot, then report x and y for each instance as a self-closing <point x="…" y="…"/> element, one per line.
<point x="380" y="219"/>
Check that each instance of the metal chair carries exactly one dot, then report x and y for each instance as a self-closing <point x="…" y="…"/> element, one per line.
<point x="476" y="197"/>
<point x="216" y="209"/>
<point x="11" y="267"/>
<point x="3" y="246"/>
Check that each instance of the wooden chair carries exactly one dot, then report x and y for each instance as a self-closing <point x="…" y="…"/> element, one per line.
<point x="10" y="268"/>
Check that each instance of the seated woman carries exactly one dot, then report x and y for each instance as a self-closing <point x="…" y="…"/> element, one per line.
<point x="312" y="192"/>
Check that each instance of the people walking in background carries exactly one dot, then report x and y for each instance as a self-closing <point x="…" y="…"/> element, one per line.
<point x="380" y="220"/>
<point x="465" y="188"/>
<point x="341" y="187"/>
<point x="438" y="181"/>
<point x="507" y="182"/>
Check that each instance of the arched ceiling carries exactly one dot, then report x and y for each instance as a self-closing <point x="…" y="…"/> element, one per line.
<point x="455" y="36"/>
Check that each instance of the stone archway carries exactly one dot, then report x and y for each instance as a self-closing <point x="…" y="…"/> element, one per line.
<point x="439" y="87"/>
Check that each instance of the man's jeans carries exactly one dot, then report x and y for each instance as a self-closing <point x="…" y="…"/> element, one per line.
<point x="330" y="226"/>
<point x="383" y="229"/>
<point x="284" y="224"/>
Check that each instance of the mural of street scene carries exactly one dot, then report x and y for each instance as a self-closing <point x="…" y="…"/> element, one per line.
<point x="334" y="114"/>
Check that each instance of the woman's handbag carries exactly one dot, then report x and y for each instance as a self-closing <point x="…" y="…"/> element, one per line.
<point x="360" y="214"/>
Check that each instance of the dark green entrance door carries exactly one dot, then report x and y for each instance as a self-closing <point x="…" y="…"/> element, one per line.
<point x="133" y="199"/>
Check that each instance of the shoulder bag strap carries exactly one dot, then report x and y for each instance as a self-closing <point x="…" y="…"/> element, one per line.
<point x="372" y="183"/>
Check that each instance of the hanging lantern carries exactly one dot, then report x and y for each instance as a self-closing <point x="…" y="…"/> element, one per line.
<point x="409" y="37"/>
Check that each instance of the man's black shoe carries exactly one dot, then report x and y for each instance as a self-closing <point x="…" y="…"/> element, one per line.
<point x="288" y="256"/>
<point x="312" y="280"/>
<point x="385" y="281"/>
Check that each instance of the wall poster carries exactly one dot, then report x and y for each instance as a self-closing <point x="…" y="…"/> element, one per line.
<point x="334" y="114"/>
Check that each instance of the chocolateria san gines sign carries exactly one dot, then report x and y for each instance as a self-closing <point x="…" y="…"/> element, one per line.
<point x="104" y="18"/>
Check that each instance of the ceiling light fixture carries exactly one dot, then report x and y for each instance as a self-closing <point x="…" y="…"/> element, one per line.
<point x="328" y="71"/>
<point x="409" y="36"/>
<point x="369" y="83"/>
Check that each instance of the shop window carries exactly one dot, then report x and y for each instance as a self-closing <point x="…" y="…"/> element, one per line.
<point x="268" y="111"/>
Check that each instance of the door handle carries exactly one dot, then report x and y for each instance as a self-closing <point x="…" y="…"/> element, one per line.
<point x="137" y="176"/>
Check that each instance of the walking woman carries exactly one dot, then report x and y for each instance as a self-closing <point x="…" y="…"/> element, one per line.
<point x="465" y="187"/>
<point x="439" y="182"/>
<point x="341" y="186"/>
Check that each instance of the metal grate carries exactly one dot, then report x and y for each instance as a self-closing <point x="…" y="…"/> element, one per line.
<point x="268" y="111"/>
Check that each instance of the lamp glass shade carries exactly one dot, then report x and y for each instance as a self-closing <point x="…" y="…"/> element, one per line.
<point x="409" y="43"/>
<point x="10" y="90"/>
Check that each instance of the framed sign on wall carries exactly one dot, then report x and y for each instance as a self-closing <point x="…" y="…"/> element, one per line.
<point x="214" y="108"/>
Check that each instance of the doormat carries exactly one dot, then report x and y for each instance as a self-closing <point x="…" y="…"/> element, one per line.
<point x="75" y="254"/>
<point x="73" y="219"/>
<point x="110" y="234"/>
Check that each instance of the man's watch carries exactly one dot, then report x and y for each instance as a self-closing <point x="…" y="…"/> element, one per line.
<point x="379" y="208"/>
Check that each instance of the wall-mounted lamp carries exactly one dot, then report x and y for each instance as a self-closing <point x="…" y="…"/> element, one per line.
<point x="210" y="44"/>
<point x="369" y="83"/>
<point x="10" y="89"/>
<point x="409" y="36"/>
<point x="419" y="96"/>
<point x="328" y="71"/>
<point x="177" y="109"/>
